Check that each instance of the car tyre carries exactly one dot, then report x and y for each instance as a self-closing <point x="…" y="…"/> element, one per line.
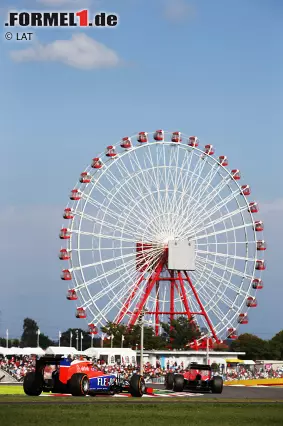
<point x="217" y="385"/>
<point x="137" y="386"/>
<point x="169" y="381"/>
<point x="179" y="383"/>
<point x="79" y="384"/>
<point x="33" y="384"/>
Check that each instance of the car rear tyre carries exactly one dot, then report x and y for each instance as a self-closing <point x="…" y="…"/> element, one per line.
<point x="169" y="381"/>
<point x="79" y="384"/>
<point x="33" y="384"/>
<point x="179" y="381"/>
<point x="217" y="385"/>
<point x="137" y="386"/>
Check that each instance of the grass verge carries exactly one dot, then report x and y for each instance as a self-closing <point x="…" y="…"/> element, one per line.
<point x="130" y="414"/>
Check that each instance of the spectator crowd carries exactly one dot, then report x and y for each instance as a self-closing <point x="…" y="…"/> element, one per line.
<point x="18" y="367"/>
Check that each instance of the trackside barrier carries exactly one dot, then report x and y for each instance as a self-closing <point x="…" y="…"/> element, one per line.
<point x="256" y="382"/>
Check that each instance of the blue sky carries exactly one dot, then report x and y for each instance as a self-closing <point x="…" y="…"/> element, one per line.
<point x="210" y="68"/>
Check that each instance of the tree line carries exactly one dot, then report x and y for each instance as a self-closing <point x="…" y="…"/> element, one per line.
<point x="175" y="335"/>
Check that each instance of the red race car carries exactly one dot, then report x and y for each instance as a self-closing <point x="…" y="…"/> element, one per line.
<point x="79" y="378"/>
<point x="197" y="377"/>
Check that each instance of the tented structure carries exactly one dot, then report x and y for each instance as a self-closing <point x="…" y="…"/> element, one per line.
<point x="21" y="351"/>
<point x="62" y="350"/>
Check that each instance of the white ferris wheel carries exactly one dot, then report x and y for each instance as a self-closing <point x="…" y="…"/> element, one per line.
<point x="139" y="212"/>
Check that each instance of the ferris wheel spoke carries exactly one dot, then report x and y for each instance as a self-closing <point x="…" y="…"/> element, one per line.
<point x="136" y="187"/>
<point x="187" y="184"/>
<point x="214" y="289"/>
<point x="127" y="201"/>
<point x="112" y="213"/>
<point x="145" y="181"/>
<point x="210" y="308"/>
<point x="228" y="284"/>
<point x="223" y="231"/>
<point x="113" y="259"/>
<point x="128" y="231"/>
<point x="205" y="185"/>
<point x="209" y="198"/>
<point x="107" y="237"/>
<point x="125" y="290"/>
<point x="230" y="256"/>
<point x="216" y="208"/>
<point x="223" y="267"/>
<point x="221" y="219"/>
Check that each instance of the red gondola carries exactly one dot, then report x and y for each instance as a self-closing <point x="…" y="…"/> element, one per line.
<point x="75" y="195"/>
<point x="65" y="234"/>
<point x="110" y="151"/>
<point x="223" y="160"/>
<point x="243" y="319"/>
<point x="209" y="150"/>
<point x="66" y="275"/>
<point x="85" y="177"/>
<point x="64" y="254"/>
<point x="258" y="226"/>
<point x="158" y="135"/>
<point x="257" y="284"/>
<point x="193" y="141"/>
<point x="176" y="137"/>
<point x="251" y="302"/>
<point x="260" y="265"/>
<point x="96" y="163"/>
<point x="68" y="213"/>
<point x="236" y="175"/>
<point x="260" y="245"/>
<point x="232" y="333"/>
<point x="126" y="143"/>
<point x="142" y="137"/>
<point x="72" y="294"/>
<point x="80" y="313"/>
<point x="92" y="329"/>
<point x="253" y="207"/>
<point x="245" y="190"/>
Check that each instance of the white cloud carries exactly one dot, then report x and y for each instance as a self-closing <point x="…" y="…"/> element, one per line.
<point x="80" y="52"/>
<point x="178" y="10"/>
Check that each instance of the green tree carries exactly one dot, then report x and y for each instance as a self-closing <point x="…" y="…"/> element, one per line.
<point x="276" y="346"/>
<point x="29" y="336"/>
<point x="254" y="347"/>
<point x="179" y="332"/>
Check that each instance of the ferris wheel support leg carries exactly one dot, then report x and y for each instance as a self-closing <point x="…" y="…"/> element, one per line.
<point x="184" y="296"/>
<point x="157" y="310"/>
<point x="126" y="306"/>
<point x="147" y="292"/>
<point x="202" y="308"/>
<point x="172" y="298"/>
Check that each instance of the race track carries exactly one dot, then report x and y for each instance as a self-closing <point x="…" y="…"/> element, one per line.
<point x="230" y="394"/>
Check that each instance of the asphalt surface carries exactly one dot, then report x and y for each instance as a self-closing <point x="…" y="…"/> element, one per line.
<point x="236" y="394"/>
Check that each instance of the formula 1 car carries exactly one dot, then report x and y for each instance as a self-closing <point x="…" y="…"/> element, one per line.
<point x="197" y="377"/>
<point x="79" y="378"/>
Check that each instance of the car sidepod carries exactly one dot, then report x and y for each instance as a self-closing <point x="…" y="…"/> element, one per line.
<point x="102" y="384"/>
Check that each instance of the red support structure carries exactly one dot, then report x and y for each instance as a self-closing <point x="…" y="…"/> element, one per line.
<point x="148" y="289"/>
<point x="157" y="310"/>
<point x="177" y="280"/>
<point x="202" y="308"/>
